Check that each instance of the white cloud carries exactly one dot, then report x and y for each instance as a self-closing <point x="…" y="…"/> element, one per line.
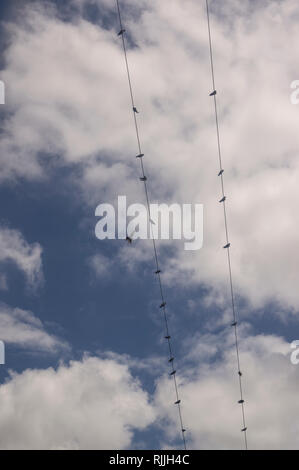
<point x="23" y="329"/>
<point x="67" y="95"/>
<point x="97" y="403"/>
<point x="128" y="257"/>
<point x="101" y="265"/>
<point x="93" y="404"/>
<point x="209" y="393"/>
<point x="27" y="257"/>
<point x="73" y="101"/>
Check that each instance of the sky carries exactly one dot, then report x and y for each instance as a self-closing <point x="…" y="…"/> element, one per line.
<point x="86" y="364"/>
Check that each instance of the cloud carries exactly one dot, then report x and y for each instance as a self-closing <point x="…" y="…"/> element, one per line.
<point x="90" y="404"/>
<point x="97" y="403"/>
<point x="128" y="258"/>
<point x="209" y="393"/>
<point x="101" y="265"/>
<point x="24" y="330"/>
<point x="27" y="257"/>
<point x="73" y="103"/>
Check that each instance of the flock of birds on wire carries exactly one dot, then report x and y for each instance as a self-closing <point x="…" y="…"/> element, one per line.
<point x="227" y="245"/>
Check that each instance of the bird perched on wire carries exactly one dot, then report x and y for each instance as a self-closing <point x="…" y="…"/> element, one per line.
<point x="129" y="238"/>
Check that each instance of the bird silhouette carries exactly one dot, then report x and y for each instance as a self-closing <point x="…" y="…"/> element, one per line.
<point x="129" y="238"/>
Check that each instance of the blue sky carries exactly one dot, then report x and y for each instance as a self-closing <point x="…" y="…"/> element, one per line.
<point x="67" y="146"/>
